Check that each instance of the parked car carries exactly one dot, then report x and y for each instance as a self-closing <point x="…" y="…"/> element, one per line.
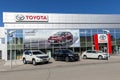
<point x="95" y="54"/>
<point x="35" y="56"/>
<point x="61" y="38"/>
<point x="66" y="55"/>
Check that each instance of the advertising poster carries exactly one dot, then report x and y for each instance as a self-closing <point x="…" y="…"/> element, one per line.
<point x="38" y="39"/>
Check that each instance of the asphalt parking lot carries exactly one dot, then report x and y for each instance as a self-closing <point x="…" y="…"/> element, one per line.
<point x="18" y="65"/>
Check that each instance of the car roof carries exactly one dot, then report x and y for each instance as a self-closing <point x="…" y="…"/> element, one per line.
<point x="63" y="32"/>
<point x="62" y="49"/>
<point x="95" y="50"/>
<point x="33" y="50"/>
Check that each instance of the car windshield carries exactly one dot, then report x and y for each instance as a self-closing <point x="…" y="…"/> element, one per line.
<point x="99" y="51"/>
<point x="67" y="51"/>
<point x="37" y="53"/>
<point x="59" y="34"/>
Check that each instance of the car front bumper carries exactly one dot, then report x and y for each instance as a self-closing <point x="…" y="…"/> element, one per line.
<point x="42" y="60"/>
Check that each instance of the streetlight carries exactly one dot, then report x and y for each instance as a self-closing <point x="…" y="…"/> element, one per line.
<point x="11" y="36"/>
<point x="107" y="32"/>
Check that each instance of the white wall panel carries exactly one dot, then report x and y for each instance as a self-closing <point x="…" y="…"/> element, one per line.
<point x="9" y="17"/>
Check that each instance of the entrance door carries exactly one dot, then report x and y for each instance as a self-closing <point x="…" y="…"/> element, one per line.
<point x="103" y="47"/>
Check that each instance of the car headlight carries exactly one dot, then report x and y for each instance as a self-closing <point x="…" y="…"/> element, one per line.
<point x="105" y="54"/>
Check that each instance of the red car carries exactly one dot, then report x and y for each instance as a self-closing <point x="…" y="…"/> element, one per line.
<point x="61" y="38"/>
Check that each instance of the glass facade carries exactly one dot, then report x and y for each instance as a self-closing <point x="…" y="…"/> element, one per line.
<point x="15" y="43"/>
<point x="78" y="40"/>
<point x="86" y="39"/>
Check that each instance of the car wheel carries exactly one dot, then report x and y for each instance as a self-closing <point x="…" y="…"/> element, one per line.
<point x="33" y="62"/>
<point x="100" y="57"/>
<point x="84" y="57"/>
<point x="55" y="58"/>
<point x="71" y="40"/>
<point x="67" y="59"/>
<point x="24" y="61"/>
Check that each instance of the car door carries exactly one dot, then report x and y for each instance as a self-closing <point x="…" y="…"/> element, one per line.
<point x="63" y="37"/>
<point x="89" y="54"/>
<point x="66" y="36"/>
<point x="58" y="54"/>
<point x="28" y="55"/>
<point x="94" y="54"/>
<point x="69" y="36"/>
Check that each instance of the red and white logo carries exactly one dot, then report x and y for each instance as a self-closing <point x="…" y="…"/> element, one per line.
<point x="22" y="18"/>
<point x="102" y="38"/>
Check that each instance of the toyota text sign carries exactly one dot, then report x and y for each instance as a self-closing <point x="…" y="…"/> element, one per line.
<point x="33" y="18"/>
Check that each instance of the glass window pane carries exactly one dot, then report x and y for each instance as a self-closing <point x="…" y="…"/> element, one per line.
<point x="94" y="31"/>
<point x="100" y="31"/>
<point x="83" y="37"/>
<point x="117" y="38"/>
<point x="3" y="40"/>
<point x="117" y="30"/>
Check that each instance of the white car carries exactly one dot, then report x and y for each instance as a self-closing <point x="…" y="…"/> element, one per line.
<point x="35" y="56"/>
<point x="95" y="54"/>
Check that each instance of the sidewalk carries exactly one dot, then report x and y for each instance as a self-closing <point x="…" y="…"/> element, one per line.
<point x="5" y="65"/>
<point x="17" y="65"/>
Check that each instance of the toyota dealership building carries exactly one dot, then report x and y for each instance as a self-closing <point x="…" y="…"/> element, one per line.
<point x="50" y="31"/>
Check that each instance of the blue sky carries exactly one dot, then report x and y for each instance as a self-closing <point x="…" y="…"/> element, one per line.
<point x="60" y="6"/>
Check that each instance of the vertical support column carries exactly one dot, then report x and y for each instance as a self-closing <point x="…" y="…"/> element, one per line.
<point x="96" y="41"/>
<point x="109" y="44"/>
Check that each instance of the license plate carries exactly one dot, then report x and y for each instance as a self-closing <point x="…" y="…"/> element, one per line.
<point x="52" y="41"/>
<point x="44" y="59"/>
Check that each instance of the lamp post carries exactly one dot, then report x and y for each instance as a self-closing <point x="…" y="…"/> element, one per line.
<point x="11" y="36"/>
<point x="107" y="32"/>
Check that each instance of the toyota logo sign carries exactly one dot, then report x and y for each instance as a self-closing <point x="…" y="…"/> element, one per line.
<point x="20" y="17"/>
<point x="102" y="37"/>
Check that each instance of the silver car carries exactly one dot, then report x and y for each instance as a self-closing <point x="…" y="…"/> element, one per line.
<point x="35" y="56"/>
